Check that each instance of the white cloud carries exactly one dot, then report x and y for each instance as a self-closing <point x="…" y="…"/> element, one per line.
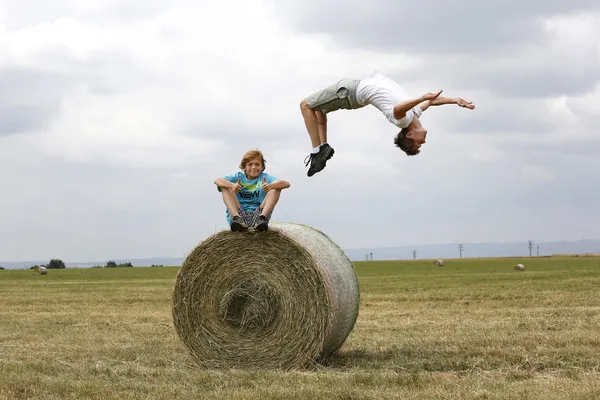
<point x="154" y="100"/>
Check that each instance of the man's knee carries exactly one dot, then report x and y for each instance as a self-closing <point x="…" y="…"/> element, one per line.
<point x="304" y="105"/>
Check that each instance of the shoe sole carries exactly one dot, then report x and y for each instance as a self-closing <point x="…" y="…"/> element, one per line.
<point x="237" y="227"/>
<point x="262" y="227"/>
<point x="324" y="165"/>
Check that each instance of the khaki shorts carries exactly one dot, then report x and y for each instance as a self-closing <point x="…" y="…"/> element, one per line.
<point x="340" y="95"/>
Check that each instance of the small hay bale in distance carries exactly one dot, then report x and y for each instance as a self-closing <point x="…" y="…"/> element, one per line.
<point x="41" y="270"/>
<point x="519" y="267"/>
<point x="439" y="263"/>
<point x="282" y="299"/>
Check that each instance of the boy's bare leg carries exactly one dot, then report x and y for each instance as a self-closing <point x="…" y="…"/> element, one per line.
<point x="231" y="202"/>
<point x="268" y="204"/>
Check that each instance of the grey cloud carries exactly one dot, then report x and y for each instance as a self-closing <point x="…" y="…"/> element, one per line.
<point x="429" y="26"/>
<point x="493" y="117"/>
<point x="29" y="99"/>
<point x="22" y="119"/>
<point x="545" y="81"/>
<point x="528" y="76"/>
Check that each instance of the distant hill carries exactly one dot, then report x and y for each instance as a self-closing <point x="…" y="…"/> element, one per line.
<point x="435" y="251"/>
<point x="430" y="251"/>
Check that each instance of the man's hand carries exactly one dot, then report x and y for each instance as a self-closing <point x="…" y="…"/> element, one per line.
<point x="431" y="96"/>
<point x="466" y="104"/>
<point x="424" y="101"/>
<point x="236" y="186"/>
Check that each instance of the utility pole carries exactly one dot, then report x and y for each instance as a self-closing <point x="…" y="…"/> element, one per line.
<point x="366" y="257"/>
<point x="371" y="256"/>
<point x="414" y="254"/>
<point x="530" y="246"/>
<point x="460" y="249"/>
<point x="538" y="250"/>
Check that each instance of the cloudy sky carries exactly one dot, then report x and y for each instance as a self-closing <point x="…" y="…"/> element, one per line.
<point x="117" y="115"/>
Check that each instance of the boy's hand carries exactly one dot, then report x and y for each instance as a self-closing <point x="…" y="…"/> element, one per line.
<point x="265" y="186"/>
<point x="236" y="186"/>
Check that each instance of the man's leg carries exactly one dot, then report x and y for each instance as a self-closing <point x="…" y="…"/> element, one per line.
<point x="231" y="201"/>
<point x="312" y="124"/>
<point x="338" y="96"/>
<point x="322" y="123"/>
<point x="267" y="207"/>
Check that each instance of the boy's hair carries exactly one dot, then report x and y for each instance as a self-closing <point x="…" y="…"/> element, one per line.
<point x="406" y="144"/>
<point x="250" y="155"/>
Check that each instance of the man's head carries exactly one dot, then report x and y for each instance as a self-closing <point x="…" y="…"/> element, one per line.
<point x="253" y="163"/>
<point x="411" y="138"/>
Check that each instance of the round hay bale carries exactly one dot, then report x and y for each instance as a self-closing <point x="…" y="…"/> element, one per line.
<point x="281" y="299"/>
<point x="439" y="263"/>
<point x="41" y="270"/>
<point x="519" y="267"/>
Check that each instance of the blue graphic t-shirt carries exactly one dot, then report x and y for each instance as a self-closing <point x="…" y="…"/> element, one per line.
<point x="251" y="195"/>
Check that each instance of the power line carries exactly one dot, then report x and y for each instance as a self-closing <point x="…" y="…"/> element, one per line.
<point x="530" y="246"/>
<point x="414" y="254"/>
<point x="460" y="249"/>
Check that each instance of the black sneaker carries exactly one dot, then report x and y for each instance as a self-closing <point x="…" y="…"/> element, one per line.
<point x="318" y="160"/>
<point x="238" y="224"/>
<point x="262" y="223"/>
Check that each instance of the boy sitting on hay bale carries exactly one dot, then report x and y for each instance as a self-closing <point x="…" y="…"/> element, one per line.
<point x="250" y="195"/>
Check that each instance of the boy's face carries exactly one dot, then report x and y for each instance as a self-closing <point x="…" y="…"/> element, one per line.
<point x="253" y="168"/>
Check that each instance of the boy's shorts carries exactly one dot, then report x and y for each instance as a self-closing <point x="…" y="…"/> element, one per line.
<point x="340" y="95"/>
<point x="251" y="217"/>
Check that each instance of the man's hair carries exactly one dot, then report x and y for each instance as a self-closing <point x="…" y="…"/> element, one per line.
<point x="250" y="155"/>
<point x="406" y="144"/>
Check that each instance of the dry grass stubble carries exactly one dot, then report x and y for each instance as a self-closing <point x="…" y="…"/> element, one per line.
<point x="467" y="331"/>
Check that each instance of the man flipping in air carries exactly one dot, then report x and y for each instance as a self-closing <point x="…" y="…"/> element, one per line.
<point x="380" y="91"/>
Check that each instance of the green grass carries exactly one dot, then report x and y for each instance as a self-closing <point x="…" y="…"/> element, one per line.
<point x="475" y="329"/>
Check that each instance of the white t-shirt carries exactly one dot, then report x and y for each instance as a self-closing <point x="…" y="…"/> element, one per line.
<point x="383" y="93"/>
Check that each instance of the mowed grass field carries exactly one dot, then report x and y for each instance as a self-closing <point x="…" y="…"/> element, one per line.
<point x="474" y="329"/>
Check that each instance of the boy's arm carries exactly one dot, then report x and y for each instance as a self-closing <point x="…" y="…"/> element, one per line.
<point x="229" y="182"/>
<point x="279" y="184"/>
<point x="272" y="182"/>
<point x="223" y="183"/>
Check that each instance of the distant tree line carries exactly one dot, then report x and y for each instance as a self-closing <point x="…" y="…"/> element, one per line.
<point x="57" y="263"/>
<point x="54" y="263"/>
<point x="112" y="264"/>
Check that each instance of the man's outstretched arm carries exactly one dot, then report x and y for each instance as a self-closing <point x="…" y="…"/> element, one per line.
<point x="402" y="108"/>
<point x="439" y="101"/>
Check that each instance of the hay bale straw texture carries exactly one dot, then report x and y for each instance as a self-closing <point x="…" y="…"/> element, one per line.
<point x="282" y="299"/>
<point x="41" y="270"/>
<point x="519" y="267"/>
<point x="439" y="263"/>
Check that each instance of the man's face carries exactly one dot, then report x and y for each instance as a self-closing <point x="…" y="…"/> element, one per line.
<point x="418" y="135"/>
<point x="253" y="168"/>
